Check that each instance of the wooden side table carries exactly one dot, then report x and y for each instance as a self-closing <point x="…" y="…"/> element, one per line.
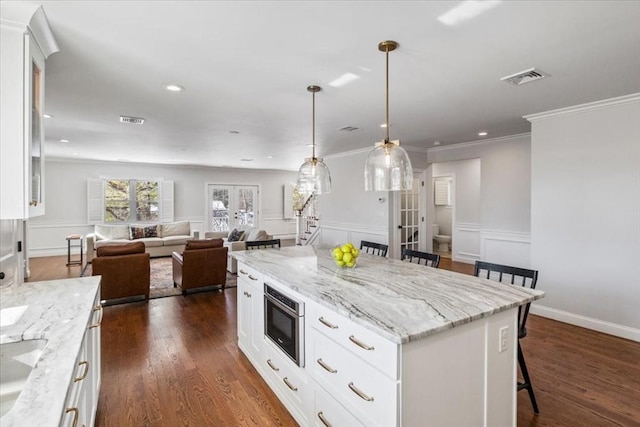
<point x="72" y="238"/>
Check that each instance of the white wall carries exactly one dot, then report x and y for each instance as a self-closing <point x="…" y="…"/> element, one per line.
<point x="585" y="216"/>
<point x="349" y="213"/>
<point x="66" y="204"/>
<point x="496" y="220"/>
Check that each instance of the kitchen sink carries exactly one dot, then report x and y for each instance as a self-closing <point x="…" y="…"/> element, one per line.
<point x="17" y="360"/>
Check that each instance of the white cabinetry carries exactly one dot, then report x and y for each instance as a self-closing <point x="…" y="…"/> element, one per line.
<point x="250" y="313"/>
<point x="355" y="366"/>
<point x="26" y="41"/>
<point x="83" y="393"/>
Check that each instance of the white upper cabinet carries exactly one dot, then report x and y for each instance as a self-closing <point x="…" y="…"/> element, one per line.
<point x="26" y="41"/>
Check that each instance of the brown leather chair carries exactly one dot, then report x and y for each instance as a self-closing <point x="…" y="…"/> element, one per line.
<point x="125" y="271"/>
<point x="203" y="263"/>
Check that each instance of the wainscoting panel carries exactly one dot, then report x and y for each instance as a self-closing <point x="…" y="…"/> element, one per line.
<point x="466" y="242"/>
<point x="280" y="228"/>
<point x="506" y="247"/>
<point x="333" y="233"/>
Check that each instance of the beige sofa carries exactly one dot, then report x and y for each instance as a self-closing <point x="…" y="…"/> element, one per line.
<point x="249" y="234"/>
<point x="159" y="239"/>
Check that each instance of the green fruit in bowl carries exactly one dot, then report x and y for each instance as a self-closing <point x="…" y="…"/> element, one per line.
<point x="345" y="255"/>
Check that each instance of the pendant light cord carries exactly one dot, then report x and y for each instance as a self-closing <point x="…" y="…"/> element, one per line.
<point x="313" y="126"/>
<point x="387" y="113"/>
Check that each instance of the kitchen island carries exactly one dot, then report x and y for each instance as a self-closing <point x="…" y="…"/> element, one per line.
<point x="50" y="341"/>
<point x="385" y="343"/>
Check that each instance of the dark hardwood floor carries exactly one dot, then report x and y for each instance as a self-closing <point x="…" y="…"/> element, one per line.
<point x="174" y="362"/>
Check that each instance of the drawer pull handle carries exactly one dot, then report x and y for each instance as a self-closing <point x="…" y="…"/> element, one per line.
<point x="359" y="392"/>
<point x="359" y="343"/>
<point x="97" y="324"/>
<point x="327" y="324"/>
<point x="242" y="271"/>
<point x="272" y="366"/>
<point x="76" y="413"/>
<point x="326" y="367"/>
<point x="286" y="381"/>
<point x="252" y="278"/>
<point x="323" y="419"/>
<point x="84" y="374"/>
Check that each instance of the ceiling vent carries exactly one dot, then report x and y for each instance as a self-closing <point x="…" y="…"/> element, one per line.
<point x="348" y="128"/>
<point x="132" y="120"/>
<point x="526" y="76"/>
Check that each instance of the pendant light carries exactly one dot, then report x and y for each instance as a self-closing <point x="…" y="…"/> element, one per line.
<point x="388" y="167"/>
<point x="313" y="176"/>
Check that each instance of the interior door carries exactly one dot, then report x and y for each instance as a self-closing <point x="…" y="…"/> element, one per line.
<point x="410" y="218"/>
<point x="231" y="206"/>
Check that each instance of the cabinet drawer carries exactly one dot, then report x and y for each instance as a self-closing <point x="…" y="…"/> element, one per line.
<point x="327" y="412"/>
<point x="372" y="348"/>
<point x="249" y="274"/>
<point x="289" y="379"/>
<point x="367" y="392"/>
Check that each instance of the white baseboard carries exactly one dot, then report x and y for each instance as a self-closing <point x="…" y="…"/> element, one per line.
<point x="42" y="252"/>
<point x="586" y="322"/>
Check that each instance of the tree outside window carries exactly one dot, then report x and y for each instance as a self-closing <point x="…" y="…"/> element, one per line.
<point x="122" y="197"/>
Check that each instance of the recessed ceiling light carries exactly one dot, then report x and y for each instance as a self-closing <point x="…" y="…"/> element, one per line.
<point x="234" y="132"/>
<point x="246" y="160"/>
<point x="483" y="133"/>
<point x="309" y="145"/>
<point x="47" y="116"/>
<point x="174" y="88"/>
<point x="63" y="140"/>
<point x="436" y="142"/>
<point x="269" y="157"/>
<point x="75" y="154"/>
<point x="384" y="125"/>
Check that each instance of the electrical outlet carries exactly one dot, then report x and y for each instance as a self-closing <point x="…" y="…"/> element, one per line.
<point x="502" y="339"/>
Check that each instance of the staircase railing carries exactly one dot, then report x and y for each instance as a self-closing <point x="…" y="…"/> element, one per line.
<point x="307" y="223"/>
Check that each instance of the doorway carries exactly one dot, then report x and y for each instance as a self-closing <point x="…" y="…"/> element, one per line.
<point x="232" y="206"/>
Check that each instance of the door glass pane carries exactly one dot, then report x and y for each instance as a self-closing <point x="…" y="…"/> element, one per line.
<point x="246" y="214"/>
<point x="220" y="210"/>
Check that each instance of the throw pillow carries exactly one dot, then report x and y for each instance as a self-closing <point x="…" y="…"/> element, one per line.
<point x="235" y="235"/>
<point x="137" y="232"/>
<point x="140" y="232"/>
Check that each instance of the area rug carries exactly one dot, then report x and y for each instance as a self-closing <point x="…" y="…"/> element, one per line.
<point x="162" y="278"/>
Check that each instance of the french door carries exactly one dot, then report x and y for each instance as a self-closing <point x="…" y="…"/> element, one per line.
<point x="410" y="219"/>
<point x="231" y="206"/>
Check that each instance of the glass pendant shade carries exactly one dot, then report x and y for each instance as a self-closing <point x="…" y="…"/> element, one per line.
<point x="388" y="168"/>
<point x="314" y="177"/>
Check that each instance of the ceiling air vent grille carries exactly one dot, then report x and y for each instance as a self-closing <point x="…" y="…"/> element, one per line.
<point x="526" y="76"/>
<point x="348" y="128"/>
<point x="132" y="120"/>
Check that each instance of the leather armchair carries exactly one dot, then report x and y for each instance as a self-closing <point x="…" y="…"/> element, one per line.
<point x="125" y="271"/>
<point x="203" y="263"/>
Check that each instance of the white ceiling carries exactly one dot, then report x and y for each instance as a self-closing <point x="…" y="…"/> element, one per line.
<point x="246" y="66"/>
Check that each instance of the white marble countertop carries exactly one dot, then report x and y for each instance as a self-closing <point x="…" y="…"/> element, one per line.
<point x="58" y="311"/>
<point x="400" y="301"/>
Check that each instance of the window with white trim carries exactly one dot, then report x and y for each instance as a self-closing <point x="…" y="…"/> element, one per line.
<point x="117" y="201"/>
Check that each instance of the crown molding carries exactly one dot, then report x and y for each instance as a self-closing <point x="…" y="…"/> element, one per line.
<point x="606" y="103"/>
<point x="476" y="143"/>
